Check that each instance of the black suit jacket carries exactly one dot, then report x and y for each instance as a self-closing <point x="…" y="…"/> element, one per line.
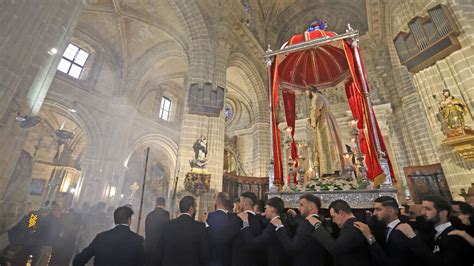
<point x="398" y="252"/>
<point x="154" y="222"/>
<point x="450" y="250"/>
<point x="244" y="255"/>
<point x="183" y="243"/>
<point x="276" y="254"/>
<point x="394" y="252"/>
<point x="116" y="247"/>
<point x="222" y="229"/>
<point x="350" y="248"/>
<point x="306" y="251"/>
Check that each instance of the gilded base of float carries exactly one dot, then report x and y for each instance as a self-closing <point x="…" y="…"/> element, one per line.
<point x="358" y="199"/>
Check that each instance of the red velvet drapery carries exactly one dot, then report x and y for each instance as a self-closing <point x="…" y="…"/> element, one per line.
<point x="277" y="163"/>
<point x="289" y="102"/>
<point x="359" y="107"/>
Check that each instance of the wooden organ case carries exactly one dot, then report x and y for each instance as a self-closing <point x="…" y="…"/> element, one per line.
<point x="430" y="39"/>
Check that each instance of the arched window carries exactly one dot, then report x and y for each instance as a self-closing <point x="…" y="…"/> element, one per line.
<point x="165" y="108"/>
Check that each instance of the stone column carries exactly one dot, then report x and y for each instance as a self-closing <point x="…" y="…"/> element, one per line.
<point x="28" y="31"/>
<point x="413" y="130"/>
<point x="262" y="144"/>
<point x="211" y="126"/>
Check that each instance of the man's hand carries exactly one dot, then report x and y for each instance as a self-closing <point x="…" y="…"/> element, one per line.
<point x="244" y="216"/>
<point x="364" y="229"/>
<point x="406" y="230"/>
<point x="312" y="220"/>
<point x="276" y="222"/>
<point x="292" y="213"/>
<point x="464" y="219"/>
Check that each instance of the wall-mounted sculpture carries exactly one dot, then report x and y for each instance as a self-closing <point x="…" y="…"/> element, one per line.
<point x="198" y="181"/>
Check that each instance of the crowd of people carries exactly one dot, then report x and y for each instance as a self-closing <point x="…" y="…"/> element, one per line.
<point x="51" y="236"/>
<point x="248" y="232"/>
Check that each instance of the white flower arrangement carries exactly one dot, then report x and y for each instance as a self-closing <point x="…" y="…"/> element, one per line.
<point x="334" y="184"/>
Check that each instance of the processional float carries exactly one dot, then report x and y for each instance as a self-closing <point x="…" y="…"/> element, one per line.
<point x="323" y="59"/>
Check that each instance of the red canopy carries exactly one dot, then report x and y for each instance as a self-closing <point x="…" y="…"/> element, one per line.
<point x="320" y="66"/>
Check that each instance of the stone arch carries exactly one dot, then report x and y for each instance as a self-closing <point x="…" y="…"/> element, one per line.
<point x="159" y="175"/>
<point x="82" y="117"/>
<point x="199" y="45"/>
<point x="162" y="149"/>
<point x="250" y="124"/>
<point x="140" y="67"/>
<point x="167" y="144"/>
<point x="253" y="77"/>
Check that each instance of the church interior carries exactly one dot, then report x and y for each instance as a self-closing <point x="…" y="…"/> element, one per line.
<point x="124" y="101"/>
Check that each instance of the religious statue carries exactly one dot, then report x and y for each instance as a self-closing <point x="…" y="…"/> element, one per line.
<point x="454" y="111"/>
<point x="328" y="144"/>
<point x="198" y="181"/>
<point x="200" y="153"/>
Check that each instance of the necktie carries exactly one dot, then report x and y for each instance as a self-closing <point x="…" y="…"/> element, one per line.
<point x="387" y="233"/>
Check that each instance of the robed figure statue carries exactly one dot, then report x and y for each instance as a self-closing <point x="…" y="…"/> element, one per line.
<point x="453" y="110"/>
<point x="328" y="145"/>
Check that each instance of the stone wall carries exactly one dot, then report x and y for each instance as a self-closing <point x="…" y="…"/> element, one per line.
<point x="28" y="30"/>
<point x="455" y="73"/>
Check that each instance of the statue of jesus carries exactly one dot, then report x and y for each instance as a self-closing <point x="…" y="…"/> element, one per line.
<point x="328" y="142"/>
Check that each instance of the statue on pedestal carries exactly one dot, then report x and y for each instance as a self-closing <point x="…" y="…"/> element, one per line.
<point x="454" y="112"/>
<point x="328" y="145"/>
<point x="200" y="153"/>
<point x="198" y="181"/>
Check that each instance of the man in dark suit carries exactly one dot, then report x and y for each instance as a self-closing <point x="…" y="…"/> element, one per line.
<point x="447" y="249"/>
<point x="303" y="247"/>
<point x="391" y="249"/>
<point x="117" y="246"/>
<point x="386" y="211"/>
<point x="222" y="228"/>
<point x="184" y="241"/>
<point x="350" y="248"/>
<point x="276" y="254"/>
<point x="241" y="254"/>
<point x="154" y="222"/>
<point x="462" y="217"/>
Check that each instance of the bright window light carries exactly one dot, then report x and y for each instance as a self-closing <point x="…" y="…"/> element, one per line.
<point x="165" y="108"/>
<point x="73" y="61"/>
